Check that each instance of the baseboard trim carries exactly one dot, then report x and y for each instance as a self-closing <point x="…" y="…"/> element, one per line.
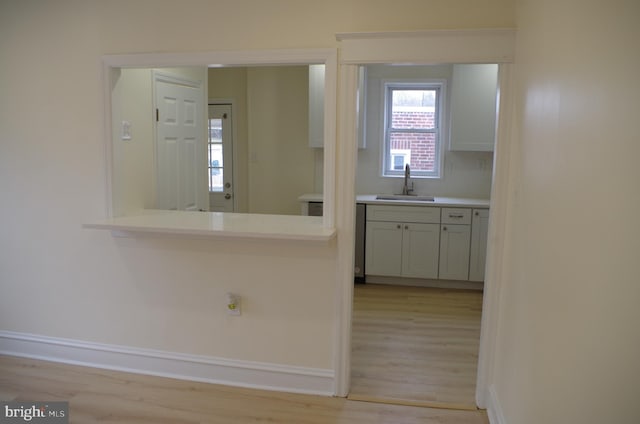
<point x="231" y="372"/>
<point x="421" y="282"/>
<point x="494" y="409"/>
<point x="408" y="402"/>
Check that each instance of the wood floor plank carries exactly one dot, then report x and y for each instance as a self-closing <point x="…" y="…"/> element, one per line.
<point x="415" y="345"/>
<point x="103" y="396"/>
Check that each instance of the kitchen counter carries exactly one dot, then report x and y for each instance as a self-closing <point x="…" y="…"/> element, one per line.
<point x="438" y="201"/>
<point x="219" y="224"/>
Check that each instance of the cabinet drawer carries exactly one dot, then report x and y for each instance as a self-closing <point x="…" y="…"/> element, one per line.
<point x="456" y="216"/>
<point x="422" y="214"/>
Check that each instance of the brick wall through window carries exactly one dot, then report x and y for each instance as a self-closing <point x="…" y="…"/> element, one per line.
<point x="421" y="145"/>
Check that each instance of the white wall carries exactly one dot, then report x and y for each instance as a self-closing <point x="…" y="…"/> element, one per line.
<point x="281" y="163"/>
<point x="133" y="160"/>
<point x="60" y="280"/>
<point x="465" y="174"/>
<point x="568" y="343"/>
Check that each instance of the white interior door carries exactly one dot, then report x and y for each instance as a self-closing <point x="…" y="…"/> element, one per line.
<point x="180" y="144"/>
<point x="220" y="158"/>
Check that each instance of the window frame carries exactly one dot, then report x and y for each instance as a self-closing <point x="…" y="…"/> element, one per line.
<point x="210" y="167"/>
<point x="388" y="86"/>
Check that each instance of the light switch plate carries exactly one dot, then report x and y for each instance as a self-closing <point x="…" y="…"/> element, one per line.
<point x="125" y="130"/>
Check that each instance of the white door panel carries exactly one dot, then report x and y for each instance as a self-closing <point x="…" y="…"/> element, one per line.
<point x="180" y="144"/>
<point x="189" y="180"/>
<point x="167" y="180"/>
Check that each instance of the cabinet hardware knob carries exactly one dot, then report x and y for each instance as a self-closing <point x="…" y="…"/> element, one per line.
<point x="444" y="228"/>
<point x="406" y="227"/>
<point x="477" y="213"/>
<point x="399" y="226"/>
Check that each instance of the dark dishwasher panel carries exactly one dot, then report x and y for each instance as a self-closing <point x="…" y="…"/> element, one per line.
<point x="315" y="209"/>
<point x="359" y="252"/>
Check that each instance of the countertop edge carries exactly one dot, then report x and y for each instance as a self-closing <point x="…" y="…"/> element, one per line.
<point x="440" y="201"/>
<point x="180" y="223"/>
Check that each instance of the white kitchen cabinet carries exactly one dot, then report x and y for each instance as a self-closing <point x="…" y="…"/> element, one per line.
<point x="420" y="245"/>
<point x="316" y="105"/>
<point x="454" y="251"/>
<point x="455" y="237"/>
<point x="473" y="107"/>
<point x="447" y="243"/>
<point x="362" y="107"/>
<point x="383" y="248"/>
<point x="478" y="253"/>
<point x="402" y="241"/>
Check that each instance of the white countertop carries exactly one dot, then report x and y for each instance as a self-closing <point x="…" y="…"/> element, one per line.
<point x="438" y="201"/>
<point x="219" y="224"/>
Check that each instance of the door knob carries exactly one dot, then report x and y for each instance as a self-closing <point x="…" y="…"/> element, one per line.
<point x="227" y="196"/>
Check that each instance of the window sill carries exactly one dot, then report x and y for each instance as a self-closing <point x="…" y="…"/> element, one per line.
<point x="219" y="224"/>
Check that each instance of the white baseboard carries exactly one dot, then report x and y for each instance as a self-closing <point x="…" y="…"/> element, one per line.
<point x="494" y="410"/>
<point x="421" y="282"/>
<point x="231" y="372"/>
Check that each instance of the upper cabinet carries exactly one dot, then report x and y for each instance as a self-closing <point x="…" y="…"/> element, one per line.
<point x="473" y="107"/>
<point x="316" y="105"/>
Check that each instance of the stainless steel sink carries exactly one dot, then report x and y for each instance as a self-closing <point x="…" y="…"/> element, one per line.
<point x="409" y="197"/>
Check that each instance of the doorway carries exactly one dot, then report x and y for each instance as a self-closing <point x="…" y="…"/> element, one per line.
<point x="420" y="345"/>
<point x="220" y="158"/>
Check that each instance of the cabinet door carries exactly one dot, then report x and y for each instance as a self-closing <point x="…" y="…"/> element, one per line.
<point x="479" y="227"/>
<point x="384" y="248"/>
<point x="420" y="244"/>
<point x="454" y="251"/>
<point x="473" y="107"/>
<point x="316" y="105"/>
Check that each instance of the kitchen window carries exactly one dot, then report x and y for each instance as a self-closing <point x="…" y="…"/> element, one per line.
<point x="412" y="128"/>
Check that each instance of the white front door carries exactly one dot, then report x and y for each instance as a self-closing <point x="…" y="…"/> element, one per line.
<point x="220" y="158"/>
<point x="180" y="144"/>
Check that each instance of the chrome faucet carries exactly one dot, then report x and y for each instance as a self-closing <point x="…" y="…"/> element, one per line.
<point x="407" y="174"/>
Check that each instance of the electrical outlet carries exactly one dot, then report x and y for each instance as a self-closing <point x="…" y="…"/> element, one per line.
<point x="233" y="304"/>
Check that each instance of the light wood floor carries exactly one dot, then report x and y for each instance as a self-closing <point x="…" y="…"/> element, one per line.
<point x="415" y="346"/>
<point x="101" y="396"/>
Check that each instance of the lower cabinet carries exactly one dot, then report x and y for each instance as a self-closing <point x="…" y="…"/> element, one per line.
<point x="383" y="248"/>
<point x="455" y="236"/>
<point x="454" y="251"/>
<point x="420" y="250"/>
<point x="426" y="242"/>
<point x="478" y="254"/>
<point x="398" y="246"/>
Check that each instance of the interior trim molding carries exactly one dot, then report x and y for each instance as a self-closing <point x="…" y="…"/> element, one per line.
<point x="498" y="237"/>
<point x="424" y="33"/>
<point x="206" y="369"/>
<point x="301" y="56"/>
<point x="423" y="47"/>
<point x="494" y="409"/>
<point x="490" y="45"/>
